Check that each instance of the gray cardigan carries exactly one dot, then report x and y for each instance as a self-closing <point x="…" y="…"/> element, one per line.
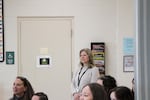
<point x="87" y="75"/>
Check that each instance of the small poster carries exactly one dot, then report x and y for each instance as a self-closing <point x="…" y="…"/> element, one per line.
<point x="98" y="51"/>
<point x="128" y="46"/>
<point x="128" y="63"/>
<point x="10" y="57"/>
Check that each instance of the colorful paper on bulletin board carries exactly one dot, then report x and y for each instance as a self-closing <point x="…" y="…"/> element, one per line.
<point x="1" y="32"/>
<point x="128" y="46"/>
<point x="98" y="51"/>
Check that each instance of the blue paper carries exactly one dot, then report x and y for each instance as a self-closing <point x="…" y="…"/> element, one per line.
<point x="128" y="46"/>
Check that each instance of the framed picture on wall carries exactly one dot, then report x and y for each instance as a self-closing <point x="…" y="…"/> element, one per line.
<point x="128" y="63"/>
<point x="98" y="51"/>
<point x="1" y="32"/>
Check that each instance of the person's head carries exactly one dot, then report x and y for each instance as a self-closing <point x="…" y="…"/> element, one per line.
<point x="93" y="91"/>
<point x="121" y="93"/>
<point x="86" y="57"/>
<point x="108" y="82"/>
<point x="39" y="96"/>
<point x="22" y="87"/>
<point x="133" y="85"/>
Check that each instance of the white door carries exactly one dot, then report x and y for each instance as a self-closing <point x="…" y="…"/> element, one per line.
<point x="49" y="37"/>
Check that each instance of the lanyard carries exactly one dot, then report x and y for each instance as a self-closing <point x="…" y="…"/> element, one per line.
<point x="79" y="78"/>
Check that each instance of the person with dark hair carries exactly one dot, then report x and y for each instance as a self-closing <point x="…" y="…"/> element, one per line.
<point x="22" y="89"/>
<point x="133" y="87"/>
<point x="39" y="96"/>
<point x="108" y="82"/>
<point x="93" y="91"/>
<point x="121" y="93"/>
<point x="86" y="72"/>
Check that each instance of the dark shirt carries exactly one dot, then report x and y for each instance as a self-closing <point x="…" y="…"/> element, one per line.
<point x="17" y="98"/>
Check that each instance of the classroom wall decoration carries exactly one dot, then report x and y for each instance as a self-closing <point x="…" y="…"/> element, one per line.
<point x="98" y="51"/>
<point x="1" y="32"/>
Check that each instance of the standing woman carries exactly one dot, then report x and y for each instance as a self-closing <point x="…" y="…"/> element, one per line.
<point x="22" y="89"/>
<point x="85" y="73"/>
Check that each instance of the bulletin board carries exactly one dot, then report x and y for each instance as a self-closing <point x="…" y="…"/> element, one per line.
<point x="98" y="51"/>
<point x="1" y="32"/>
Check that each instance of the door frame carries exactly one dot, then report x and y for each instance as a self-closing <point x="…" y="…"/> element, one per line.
<point x="23" y="18"/>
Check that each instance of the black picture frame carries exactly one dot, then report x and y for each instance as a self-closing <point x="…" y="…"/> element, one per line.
<point x="1" y="31"/>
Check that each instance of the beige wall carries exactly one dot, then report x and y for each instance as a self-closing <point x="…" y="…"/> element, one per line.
<point x="106" y="21"/>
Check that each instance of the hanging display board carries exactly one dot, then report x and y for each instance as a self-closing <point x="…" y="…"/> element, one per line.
<point x="98" y="51"/>
<point x="1" y="32"/>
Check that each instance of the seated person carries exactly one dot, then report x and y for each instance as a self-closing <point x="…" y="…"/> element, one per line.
<point x="39" y="96"/>
<point x="93" y="91"/>
<point x="133" y="87"/>
<point x="121" y="93"/>
<point x="22" y="89"/>
<point x="108" y="82"/>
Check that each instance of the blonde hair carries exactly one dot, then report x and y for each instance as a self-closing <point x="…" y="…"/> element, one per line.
<point x="89" y="53"/>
